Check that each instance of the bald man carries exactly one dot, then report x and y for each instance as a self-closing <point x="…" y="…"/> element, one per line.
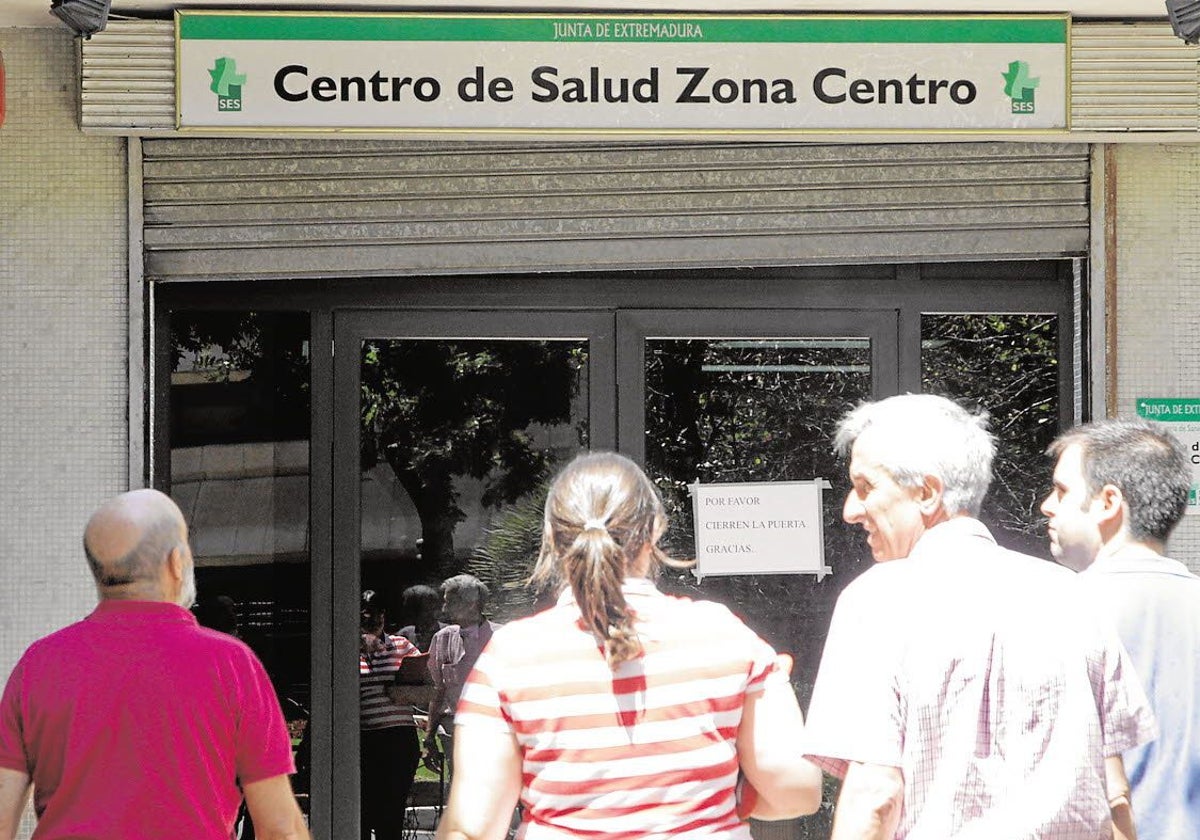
<point x="136" y="722"/>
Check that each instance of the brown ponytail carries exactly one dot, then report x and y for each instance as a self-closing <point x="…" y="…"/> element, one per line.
<point x="594" y="566"/>
<point x="600" y="513"/>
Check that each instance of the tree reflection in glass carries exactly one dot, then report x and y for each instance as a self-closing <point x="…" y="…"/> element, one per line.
<point x="457" y="435"/>
<point x="1007" y="364"/>
<point x="756" y="410"/>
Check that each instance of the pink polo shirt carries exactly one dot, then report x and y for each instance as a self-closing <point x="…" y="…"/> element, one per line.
<point x="138" y="723"/>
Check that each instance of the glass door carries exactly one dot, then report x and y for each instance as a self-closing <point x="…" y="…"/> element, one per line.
<point x="447" y="427"/>
<point x="749" y="396"/>
<point x="755" y="396"/>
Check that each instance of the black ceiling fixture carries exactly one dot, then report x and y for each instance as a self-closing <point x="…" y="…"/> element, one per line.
<point x="1185" y="19"/>
<point x="85" y="17"/>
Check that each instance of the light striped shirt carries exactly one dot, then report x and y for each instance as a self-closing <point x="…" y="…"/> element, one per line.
<point x="985" y="677"/>
<point x="376" y="673"/>
<point x="646" y="751"/>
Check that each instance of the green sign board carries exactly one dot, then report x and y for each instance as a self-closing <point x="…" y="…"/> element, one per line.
<point x="1183" y="415"/>
<point x="658" y="74"/>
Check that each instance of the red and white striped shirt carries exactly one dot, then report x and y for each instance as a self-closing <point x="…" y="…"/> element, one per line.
<point x="646" y="751"/>
<point x="376" y="672"/>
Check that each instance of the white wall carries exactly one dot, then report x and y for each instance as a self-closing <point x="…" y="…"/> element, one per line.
<point x="1158" y="287"/>
<point x="63" y="352"/>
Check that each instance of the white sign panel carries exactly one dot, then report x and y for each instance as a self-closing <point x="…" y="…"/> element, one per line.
<point x="630" y="74"/>
<point x="766" y="528"/>
<point x="1182" y="417"/>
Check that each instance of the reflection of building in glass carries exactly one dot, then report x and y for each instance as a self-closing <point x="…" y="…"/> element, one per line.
<point x="248" y="508"/>
<point x="247" y="502"/>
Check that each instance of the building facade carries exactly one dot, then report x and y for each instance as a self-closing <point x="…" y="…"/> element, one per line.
<point x="253" y="320"/>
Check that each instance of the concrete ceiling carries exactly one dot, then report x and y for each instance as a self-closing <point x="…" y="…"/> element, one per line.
<point x="37" y="12"/>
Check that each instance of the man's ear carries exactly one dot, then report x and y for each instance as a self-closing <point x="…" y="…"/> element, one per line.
<point x="175" y="564"/>
<point x="929" y="495"/>
<point x="1109" y="507"/>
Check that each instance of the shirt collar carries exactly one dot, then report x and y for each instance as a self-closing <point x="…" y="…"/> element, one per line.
<point x="1140" y="562"/>
<point x="632" y="587"/>
<point x="955" y="528"/>
<point x="126" y="612"/>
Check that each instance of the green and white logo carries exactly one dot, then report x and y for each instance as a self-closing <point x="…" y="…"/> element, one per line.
<point x="227" y="84"/>
<point x="1019" y="86"/>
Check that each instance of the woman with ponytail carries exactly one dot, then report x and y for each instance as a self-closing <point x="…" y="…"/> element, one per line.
<point x="621" y="712"/>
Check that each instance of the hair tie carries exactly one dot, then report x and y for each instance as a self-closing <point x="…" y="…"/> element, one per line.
<point x="595" y="525"/>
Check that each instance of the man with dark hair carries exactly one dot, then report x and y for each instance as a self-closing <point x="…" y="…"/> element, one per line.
<point x="136" y="722"/>
<point x="421" y="605"/>
<point x="1120" y="487"/>
<point x="965" y="691"/>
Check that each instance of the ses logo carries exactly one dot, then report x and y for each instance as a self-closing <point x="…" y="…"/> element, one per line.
<point x="1019" y="86"/>
<point x="227" y="84"/>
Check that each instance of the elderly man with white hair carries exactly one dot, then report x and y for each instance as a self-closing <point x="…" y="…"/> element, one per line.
<point x="965" y="691"/>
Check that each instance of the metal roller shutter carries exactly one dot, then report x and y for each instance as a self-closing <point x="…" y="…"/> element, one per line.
<point x="1133" y="77"/>
<point x="279" y="208"/>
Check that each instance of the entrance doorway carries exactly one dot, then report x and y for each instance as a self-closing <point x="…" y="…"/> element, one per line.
<point x="326" y="438"/>
<point x="449" y="426"/>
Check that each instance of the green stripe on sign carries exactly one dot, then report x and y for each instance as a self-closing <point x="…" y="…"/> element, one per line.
<point x="763" y="30"/>
<point x="1169" y="410"/>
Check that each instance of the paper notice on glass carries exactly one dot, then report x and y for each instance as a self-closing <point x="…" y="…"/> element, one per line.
<point x="760" y="528"/>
